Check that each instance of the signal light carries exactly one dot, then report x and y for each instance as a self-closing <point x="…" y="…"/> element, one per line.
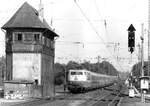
<point x="131" y="40"/>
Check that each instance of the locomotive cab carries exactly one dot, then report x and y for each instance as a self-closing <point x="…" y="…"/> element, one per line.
<point x="78" y="75"/>
<point x="78" y="80"/>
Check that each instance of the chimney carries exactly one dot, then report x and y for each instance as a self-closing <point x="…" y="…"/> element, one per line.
<point x="41" y="11"/>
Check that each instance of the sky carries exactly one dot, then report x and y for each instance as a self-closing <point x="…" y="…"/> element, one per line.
<point x="89" y="28"/>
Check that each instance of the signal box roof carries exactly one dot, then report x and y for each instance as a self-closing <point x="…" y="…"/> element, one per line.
<point x="27" y="17"/>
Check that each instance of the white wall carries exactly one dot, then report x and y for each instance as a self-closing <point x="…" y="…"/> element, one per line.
<point x="27" y="66"/>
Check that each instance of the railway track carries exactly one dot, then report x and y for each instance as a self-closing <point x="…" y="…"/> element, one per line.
<point x="115" y="101"/>
<point x="64" y="100"/>
<point x="110" y="96"/>
<point x="108" y="99"/>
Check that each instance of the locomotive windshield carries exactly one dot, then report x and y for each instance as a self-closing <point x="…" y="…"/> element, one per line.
<point x="76" y="73"/>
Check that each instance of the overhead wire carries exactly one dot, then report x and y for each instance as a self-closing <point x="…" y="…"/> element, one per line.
<point x="89" y="22"/>
<point x="97" y="9"/>
<point x="92" y="26"/>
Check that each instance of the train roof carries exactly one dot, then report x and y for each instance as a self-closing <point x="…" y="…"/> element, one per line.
<point x="93" y="73"/>
<point x="78" y="70"/>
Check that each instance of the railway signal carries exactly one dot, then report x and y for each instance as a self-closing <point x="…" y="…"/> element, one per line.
<point x="131" y="38"/>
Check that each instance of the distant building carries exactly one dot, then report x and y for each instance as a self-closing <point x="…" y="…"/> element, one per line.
<point x="30" y="51"/>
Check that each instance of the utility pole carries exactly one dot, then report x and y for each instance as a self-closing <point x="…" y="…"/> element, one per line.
<point x="65" y="80"/>
<point x="148" y="37"/>
<point x="51" y="3"/>
<point x="98" y="59"/>
<point x="139" y="55"/>
<point x="142" y="50"/>
<point x="142" y="60"/>
<point x="139" y="52"/>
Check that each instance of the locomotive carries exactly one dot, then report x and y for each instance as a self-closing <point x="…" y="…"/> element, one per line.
<point x="84" y="80"/>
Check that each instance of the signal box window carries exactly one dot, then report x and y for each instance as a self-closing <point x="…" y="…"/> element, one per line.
<point x="36" y="37"/>
<point x="52" y="44"/>
<point x="36" y="81"/>
<point x="19" y="37"/>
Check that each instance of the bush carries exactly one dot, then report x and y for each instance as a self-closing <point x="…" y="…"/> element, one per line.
<point x="59" y="80"/>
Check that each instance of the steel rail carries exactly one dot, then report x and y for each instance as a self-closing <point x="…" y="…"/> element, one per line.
<point x="114" y="100"/>
<point x="100" y="99"/>
<point x="119" y="103"/>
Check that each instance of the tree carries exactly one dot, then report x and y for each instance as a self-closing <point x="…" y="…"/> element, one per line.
<point x="59" y="73"/>
<point x="103" y="68"/>
<point x="86" y="65"/>
<point x="136" y="70"/>
<point x="73" y="65"/>
<point x="2" y="69"/>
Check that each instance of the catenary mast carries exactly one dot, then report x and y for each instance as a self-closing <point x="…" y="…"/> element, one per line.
<point x="148" y="37"/>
